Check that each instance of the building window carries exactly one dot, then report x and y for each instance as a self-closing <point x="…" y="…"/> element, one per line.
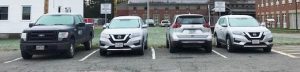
<point x="26" y="13"/>
<point x="3" y="13"/>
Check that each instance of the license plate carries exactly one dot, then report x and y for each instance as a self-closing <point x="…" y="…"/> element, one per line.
<point x="191" y="31"/>
<point x="40" y="47"/>
<point x="119" y="45"/>
<point x="255" y="41"/>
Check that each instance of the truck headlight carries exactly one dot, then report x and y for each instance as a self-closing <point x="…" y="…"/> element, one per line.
<point x="103" y="35"/>
<point x="237" y="33"/>
<point x="135" y="35"/>
<point x="63" y="34"/>
<point x="24" y="36"/>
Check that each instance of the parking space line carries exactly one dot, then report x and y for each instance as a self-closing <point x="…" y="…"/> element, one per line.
<point x="153" y="53"/>
<point x="219" y="54"/>
<point x="294" y="53"/>
<point x="13" y="60"/>
<point x="88" y="55"/>
<point x="286" y="54"/>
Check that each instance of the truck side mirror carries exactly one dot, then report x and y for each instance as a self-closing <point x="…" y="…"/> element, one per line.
<point x="31" y="24"/>
<point x="81" y="24"/>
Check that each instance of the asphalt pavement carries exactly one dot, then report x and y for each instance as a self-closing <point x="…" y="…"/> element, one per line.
<point x="159" y="60"/>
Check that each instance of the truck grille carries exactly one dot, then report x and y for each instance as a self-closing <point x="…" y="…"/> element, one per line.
<point x="42" y="36"/>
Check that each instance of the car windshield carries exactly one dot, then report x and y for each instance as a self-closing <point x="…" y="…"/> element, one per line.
<point x="191" y="20"/>
<point x="55" y="20"/>
<point x="124" y="23"/>
<point x="243" y="22"/>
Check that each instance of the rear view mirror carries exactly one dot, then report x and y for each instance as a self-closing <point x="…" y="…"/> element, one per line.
<point x="31" y="24"/>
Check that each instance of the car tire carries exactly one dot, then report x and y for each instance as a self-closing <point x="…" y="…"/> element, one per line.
<point x="229" y="45"/>
<point x="208" y="47"/>
<point x="88" y="45"/>
<point x="167" y="43"/>
<point x="139" y="51"/>
<point x="26" y="55"/>
<point x="217" y="43"/>
<point x="268" y="49"/>
<point x="71" y="51"/>
<point x="172" y="48"/>
<point x="103" y="52"/>
<point x="146" y="45"/>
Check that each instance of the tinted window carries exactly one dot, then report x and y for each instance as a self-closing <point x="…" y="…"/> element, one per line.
<point x="191" y="20"/>
<point x="26" y="13"/>
<point x="243" y="22"/>
<point x="124" y="23"/>
<point x="56" y="20"/>
<point x="3" y="13"/>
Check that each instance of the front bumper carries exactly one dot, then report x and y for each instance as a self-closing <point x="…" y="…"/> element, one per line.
<point x="131" y="44"/>
<point x="49" y="48"/>
<point x="243" y="42"/>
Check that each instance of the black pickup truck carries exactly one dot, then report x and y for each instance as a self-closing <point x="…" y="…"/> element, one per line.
<point x="56" y="34"/>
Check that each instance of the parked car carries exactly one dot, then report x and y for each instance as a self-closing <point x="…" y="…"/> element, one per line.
<point x="165" y="23"/>
<point x="189" y="30"/>
<point x="124" y="33"/>
<point x="150" y="22"/>
<point x="242" y="31"/>
<point x="54" y="34"/>
<point x="90" y="21"/>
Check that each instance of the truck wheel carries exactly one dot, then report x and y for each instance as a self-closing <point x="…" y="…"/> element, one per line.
<point x="172" y="48"/>
<point x="229" y="45"/>
<point x="71" y="51"/>
<point x="208" y="48"/>
<point x="268" y="49"/>
<point x="26" y="55"/>
<point x="103" y="52"/>
<point x="88" y="45"/>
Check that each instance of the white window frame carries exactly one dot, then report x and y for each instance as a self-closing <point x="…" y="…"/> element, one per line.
<point x="290" y="1"/>
<point x="22" y="12"/>
<point x="283" y="1"/>
<point x="7" y="12"/>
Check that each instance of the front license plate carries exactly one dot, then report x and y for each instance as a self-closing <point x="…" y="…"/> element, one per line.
<point x="255" y="41"/>
<point x="119" y="45"/>
<point x="40" y="47"/>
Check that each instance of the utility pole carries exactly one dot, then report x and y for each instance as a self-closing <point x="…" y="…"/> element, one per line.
<point x="148" y="9"/>
<point x="296" y="5"/>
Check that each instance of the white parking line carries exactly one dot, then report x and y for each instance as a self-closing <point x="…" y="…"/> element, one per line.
<point x="153" y="53"/>
<point x="286" y="54"/>
<point x="219" y="54"/>
<point x="13" y="60"/>
<point x="88" y="55"/>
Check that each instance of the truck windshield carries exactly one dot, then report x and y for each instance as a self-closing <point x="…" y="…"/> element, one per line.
<point x="55" y="20"/>
<point x="243" y="22"/>
<point x="124" y="23"/>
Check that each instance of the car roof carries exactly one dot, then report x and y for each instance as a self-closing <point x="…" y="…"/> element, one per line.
<point x="238" y="16"/>
<point x="128" y="17"/>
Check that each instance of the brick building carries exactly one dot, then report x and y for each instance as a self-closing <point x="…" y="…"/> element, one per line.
<point x="162" y="9"/>
<point x="283" y="12"/>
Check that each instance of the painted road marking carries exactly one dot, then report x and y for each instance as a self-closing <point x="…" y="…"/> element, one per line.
<point x="286" y="54"/>
<point x="13" y="60"/>
<point x="87" y="56"/>
<point x="219" y="54"/>
<point x="153" y="53"/>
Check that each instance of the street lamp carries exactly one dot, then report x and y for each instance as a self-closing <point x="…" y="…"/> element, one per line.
<point x="296" y="14"/>
<point x="148" y="9"/>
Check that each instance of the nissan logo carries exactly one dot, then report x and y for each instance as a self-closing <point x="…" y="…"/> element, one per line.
<point x="119" y="36"/>
<point x="41" y="35"/>
<point x="254" y="34"/>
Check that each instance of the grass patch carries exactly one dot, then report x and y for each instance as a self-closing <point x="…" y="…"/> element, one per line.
<point x="9" y="44"/>
<point x="279" y="40"/>
<point x="157" y="37"/>
<point x="284" y="30"/>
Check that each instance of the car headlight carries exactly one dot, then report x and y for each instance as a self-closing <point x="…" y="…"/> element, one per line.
<point x="63" y="34"/>
<point x="237" y="33"/>
<point x="24" y="36"/>
<point x="103" y="35"/>
<point x="267" y="32"/>
<point x="135" y="35"/>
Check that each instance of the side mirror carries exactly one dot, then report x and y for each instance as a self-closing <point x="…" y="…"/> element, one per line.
<point x="105" y="25"/>
<point x="145" y="26"/>
<point x="81" y="24"/>
<point x="31" y="24"/>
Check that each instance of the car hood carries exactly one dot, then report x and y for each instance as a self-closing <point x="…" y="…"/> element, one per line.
<point x="122" y="31"/>
<point x="56" y="27"/>
<point x="249" y="29"/>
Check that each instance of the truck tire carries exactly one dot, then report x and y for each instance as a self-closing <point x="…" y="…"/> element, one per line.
<point x="172" y="48"/>
<point x="146" y="45"/>
<point x="268" y="49"/>
<point x="88" y="45"/>
<point x="26" y="55"/>
<point x="71" y="51"/>
<point x="208" y="47"/>
<point x="103" y="52"/>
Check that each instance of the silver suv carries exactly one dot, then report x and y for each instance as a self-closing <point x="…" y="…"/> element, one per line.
<point x="242" y="31"/>
<point x="189" y="30"/>
<point x="124" y="33"/>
